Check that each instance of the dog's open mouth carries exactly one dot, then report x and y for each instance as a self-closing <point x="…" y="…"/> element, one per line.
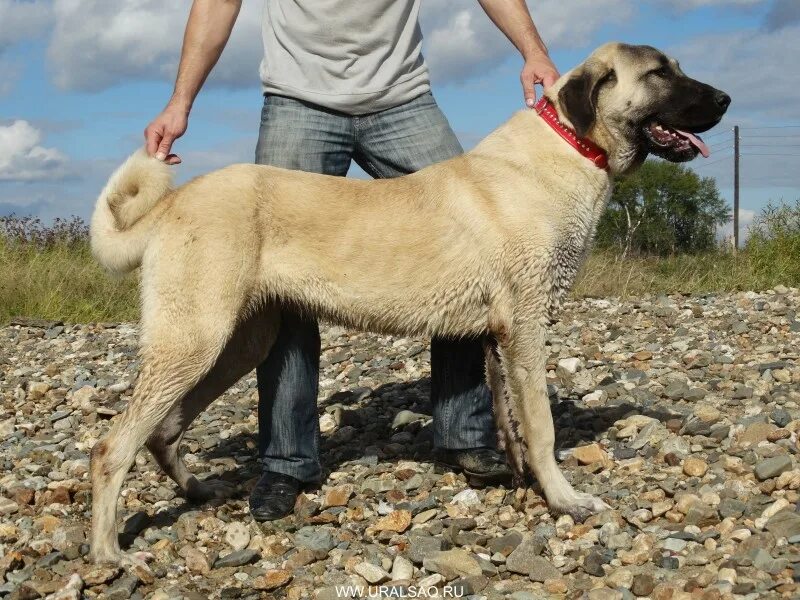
<point x="674" y="144"/>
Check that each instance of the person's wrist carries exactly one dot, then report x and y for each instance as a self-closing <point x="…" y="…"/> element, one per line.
<point x="536" y="54"/>
<point x="180" y="104"/>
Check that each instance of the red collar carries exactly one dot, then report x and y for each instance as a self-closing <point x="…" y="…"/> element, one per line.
<point x="587" y="148"/>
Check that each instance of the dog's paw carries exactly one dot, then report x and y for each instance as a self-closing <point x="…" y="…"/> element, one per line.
<point x="134" y="563"/>
<point x="579" y="506"/>
<point x="210" y="489"/>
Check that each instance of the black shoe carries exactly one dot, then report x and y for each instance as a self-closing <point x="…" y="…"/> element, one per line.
<point x="274" y="496"/>
<point x="481" y="466"/>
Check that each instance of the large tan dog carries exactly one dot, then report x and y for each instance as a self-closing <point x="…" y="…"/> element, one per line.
<point x="485" y="245"/>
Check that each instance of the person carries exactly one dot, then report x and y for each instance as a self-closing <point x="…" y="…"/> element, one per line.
<point x="346" y="81"/>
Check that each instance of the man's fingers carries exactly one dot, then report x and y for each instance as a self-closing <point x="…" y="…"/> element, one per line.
<point x="173" y="159"/>
<point x="529" y="88"/>
<point x="152" y="137"/>
<point x="165" y="145"/>
<point x="549" y="79"/>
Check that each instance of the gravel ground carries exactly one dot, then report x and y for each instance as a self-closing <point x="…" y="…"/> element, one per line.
<point x="682" y="412"/>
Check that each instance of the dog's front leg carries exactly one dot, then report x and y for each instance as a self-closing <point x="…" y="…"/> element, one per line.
<point x="523" y="358"/>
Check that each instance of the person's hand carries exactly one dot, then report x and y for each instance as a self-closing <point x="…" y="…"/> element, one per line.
<point x="538" y="69"/>
<point x="163" y="131"/>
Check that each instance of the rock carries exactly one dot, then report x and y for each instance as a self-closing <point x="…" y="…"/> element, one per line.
<point x="397" y="520"/>
<point x="620" y="578"/>
<point x="197" y="561"/>
<point x="238" y="558"/>
<point x="587" y="455"/>
<point x="755" y="433"/>
<point x="604" y="594"/>
<point x="521" y="558"/>
<point x="640" y="552"/>
<point x="785" y="523"/>
<point x="772" y="467"/>
<point x="505" y="544"/>
<point x="71" y="590"/>
<point x="420" y="546"/>
<point x="97" y="574"/>
<point x="643" y="585"/>
<point x="272" y="580"/>
<point x="567" y="367"/>
<point x="541" y="570"/>
<point x="122" y="589"/>
<point x="338" y="496"/>
<point x="406" y="417"/>
<point x="468" y="497"/>
<point x="695" y="467"/>
<point x="373" y="574"/>
<point x="327" y="424"/>
<point x="451" y="564"/>
<point x="318" y="540"/>
<point x="237" y="535"/>
<point x="594" y="561"/>
<point x="8" y="507"/>
<point x="697" y="533"/>
<point x="402" y="569"/>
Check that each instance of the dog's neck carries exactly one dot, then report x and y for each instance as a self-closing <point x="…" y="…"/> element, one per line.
<point x="583" y="146"/>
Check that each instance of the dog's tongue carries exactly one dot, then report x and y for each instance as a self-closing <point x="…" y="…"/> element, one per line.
<point x="696" y="142"/>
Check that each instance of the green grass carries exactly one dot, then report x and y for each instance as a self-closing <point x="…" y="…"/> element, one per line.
<point x="63" y="282"/>
<point x="606" y="274"/>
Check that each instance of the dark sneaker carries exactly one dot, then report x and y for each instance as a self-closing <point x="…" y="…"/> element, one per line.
<point x="481" y="466"/>
<point x="274" y="496"/>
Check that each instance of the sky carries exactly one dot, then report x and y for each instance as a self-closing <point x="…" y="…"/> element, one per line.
<point x="80" y="80"/>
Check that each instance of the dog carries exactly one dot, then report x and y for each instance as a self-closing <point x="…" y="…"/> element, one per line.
<point x="485" y="245"/>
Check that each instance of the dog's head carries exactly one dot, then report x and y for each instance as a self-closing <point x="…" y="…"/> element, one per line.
<point x="635" y="100"/>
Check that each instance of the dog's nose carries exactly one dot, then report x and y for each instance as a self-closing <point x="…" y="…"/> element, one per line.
<point x="722" y="99"/>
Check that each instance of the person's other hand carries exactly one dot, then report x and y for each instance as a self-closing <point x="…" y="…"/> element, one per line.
<point x="162" y="132"/>
<point x="538" y="69"/>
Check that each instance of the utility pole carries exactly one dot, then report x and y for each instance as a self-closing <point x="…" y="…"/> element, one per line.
<point x="736" y="188"/>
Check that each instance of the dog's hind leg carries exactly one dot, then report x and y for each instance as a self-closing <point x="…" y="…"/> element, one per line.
<point x="508" y="421"/>
<point x="179" y="353"/>
<point x="523" y="359"/>
<point x="248" y="346"/>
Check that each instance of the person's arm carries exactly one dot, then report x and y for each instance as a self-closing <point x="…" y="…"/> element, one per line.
<point x="207" y="31"/>
<point x="514" y="20"/>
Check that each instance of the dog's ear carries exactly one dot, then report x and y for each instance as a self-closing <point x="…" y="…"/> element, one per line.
<point x="578" y="96"/>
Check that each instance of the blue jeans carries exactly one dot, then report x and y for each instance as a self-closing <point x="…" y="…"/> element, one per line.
<point x="397" y="141"/>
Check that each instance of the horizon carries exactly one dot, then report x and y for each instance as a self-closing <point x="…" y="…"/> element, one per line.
<point x="80" y="80"/>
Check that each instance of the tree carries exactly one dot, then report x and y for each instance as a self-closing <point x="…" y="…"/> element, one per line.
<point x="663" y="208"/>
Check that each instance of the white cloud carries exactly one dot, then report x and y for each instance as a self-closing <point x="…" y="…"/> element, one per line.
<point x="746" y="217"/>
<point x="461" y="42"/>
<point x="751" y="66"/>
<point x="22" y="158"/>
<point x="20" y="20"/>
<point x="693" y="4"/>
<point x="782" y="13"/>
<point x="97" y="44"/>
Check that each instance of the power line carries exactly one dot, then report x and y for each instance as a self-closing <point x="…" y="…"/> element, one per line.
<point x="770" y="137"/>
<point x="771" y="127"/>
<point x="771" y="155"/>
<point x="713" y="135"/>
<point x="729" y="145"/>
<point x="746" y="145"/>
<point x="724" y="158"/>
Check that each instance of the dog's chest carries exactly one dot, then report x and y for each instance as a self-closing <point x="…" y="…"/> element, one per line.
<point x="566" y="260"/>
<point x="568" y="254"/>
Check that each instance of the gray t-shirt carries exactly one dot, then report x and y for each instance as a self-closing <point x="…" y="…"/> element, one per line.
<point x="353" y="56"/>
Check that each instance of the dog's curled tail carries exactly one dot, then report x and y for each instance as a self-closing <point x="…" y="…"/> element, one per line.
<point x="120" y="225"/>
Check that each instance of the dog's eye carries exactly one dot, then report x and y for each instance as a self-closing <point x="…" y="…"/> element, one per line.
<point x="660" y="72"/>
